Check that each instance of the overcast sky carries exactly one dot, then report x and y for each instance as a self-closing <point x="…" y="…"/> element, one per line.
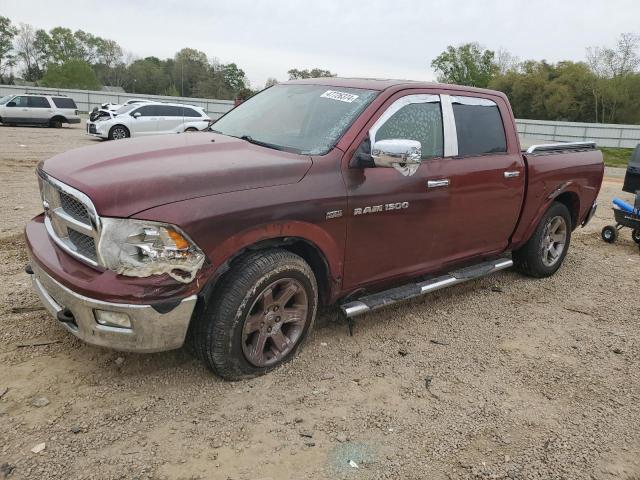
<point x="363" y="38"/>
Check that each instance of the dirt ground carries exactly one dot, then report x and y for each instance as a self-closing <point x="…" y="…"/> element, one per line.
<point x="504" y="377"/>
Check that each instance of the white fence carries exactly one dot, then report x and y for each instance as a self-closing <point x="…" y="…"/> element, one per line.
<point x="604" y="134"/>
<point x="86" y="99"/>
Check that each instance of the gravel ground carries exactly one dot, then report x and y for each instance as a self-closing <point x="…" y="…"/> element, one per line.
<point x="504" y="377"/>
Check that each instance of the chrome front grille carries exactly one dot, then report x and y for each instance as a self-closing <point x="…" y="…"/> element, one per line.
<point x="71" y="219"/>
<point x="74" y="208"/>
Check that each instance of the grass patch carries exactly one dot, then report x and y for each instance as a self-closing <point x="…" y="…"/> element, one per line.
<point x="616" y="157"/>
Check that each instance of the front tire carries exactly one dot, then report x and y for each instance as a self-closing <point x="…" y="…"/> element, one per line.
<point x="635" y="234"/>
<point x="545" y="251"/>
<point x="119" y="132"/>
<point x="259" y="316"/>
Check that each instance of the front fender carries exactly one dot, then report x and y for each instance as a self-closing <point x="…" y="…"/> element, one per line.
<point x="326" y="244"/>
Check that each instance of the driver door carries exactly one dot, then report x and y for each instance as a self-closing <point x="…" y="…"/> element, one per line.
<point x="390" y="228"/>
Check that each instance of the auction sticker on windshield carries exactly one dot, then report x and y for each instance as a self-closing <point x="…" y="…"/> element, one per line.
<point x="340" y="96"/>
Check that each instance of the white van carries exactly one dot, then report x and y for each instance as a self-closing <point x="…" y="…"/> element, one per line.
<point x="156" y="118"/>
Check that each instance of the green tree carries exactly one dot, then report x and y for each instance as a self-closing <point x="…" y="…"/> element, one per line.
<point x="295" y="74"/>
<point x="7" y="32"/>
<point x="190" y="67"/>
<point x="468" y="64"/>
<point x="147" y="76"/>
<point x="71" y="74"/>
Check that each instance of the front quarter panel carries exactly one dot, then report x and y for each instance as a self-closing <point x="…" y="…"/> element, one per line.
<point x="225" y="225"/>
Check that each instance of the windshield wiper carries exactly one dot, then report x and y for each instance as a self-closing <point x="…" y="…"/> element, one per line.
<point x="260" y="143"/>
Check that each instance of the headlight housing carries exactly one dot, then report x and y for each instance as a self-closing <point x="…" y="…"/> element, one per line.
<point x="141" y="248"/>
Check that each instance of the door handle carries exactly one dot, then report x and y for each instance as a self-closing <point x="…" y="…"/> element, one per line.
<point x="511" y="174"/>
<point x="438" y="183"/>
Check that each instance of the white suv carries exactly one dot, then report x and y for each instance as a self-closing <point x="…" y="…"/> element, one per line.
<point x="34" y="109"/>
<point x="148" y="119"/>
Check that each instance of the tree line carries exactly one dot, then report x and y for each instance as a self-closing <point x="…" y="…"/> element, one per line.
<point x="63" y="58"/>
<point x="605" y="88"/>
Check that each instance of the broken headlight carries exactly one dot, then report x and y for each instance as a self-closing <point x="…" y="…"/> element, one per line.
<point x="141" y="248"/>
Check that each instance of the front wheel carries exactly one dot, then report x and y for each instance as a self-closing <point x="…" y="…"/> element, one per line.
<point x="259" y="316"/>
<point x="545" y="251"/>
<point x="118" y="132"/>
<point x="635" y="234"/>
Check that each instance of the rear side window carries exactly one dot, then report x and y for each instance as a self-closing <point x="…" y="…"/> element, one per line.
<point x="63" y="102"/>
<point x="479" y="126"/>
<point x="39" y="102"/>
<point x="415" y="121"/>
<point x="147" y="111"/>
<point x="190" y="112"/>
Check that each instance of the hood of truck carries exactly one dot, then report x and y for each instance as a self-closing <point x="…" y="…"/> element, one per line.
<point x="125" y="177"/>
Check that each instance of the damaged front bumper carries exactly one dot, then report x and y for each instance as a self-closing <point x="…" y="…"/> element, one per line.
<point x="149" y="330"/>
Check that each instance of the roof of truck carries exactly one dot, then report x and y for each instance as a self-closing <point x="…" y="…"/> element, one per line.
<point x="385" y="83"/>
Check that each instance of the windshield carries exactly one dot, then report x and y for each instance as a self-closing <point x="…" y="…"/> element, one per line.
<point x="126" y="108"/>
<point x="307" y="119"/>
<point x="6" y="99"/>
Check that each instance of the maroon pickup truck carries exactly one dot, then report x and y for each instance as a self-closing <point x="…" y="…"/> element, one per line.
<point x="353" y="192"/>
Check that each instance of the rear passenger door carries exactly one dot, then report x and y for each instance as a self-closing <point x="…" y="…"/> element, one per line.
<point x="169" y="118"/>
<point x="147" y="122"/>
<point x="482" y="184"/>
<point x="40" y="109"/>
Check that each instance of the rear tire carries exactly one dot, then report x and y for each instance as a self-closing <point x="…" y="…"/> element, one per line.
<point x="258" y="317"/>
<point x="118" y="132"/>
<point x="545" y="251"/>
<point x="55" y="123"/>
<point x="635" y="234"/>
<point x="609" y="234"/>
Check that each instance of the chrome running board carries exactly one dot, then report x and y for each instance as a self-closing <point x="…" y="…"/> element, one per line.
<point x="411" y="290"/>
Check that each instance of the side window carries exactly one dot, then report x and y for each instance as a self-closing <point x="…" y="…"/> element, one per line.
<point x="147" y="111"/>
<point x="416" y="117"/>
<point x="21" y="102"/>
<point x="39" y="102"/>
<point x="190" y="112"/>
<point x="64" y="102"/>
<point x="479" y="126"/>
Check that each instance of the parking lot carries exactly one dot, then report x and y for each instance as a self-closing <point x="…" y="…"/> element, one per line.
<point x="503" y="377"/>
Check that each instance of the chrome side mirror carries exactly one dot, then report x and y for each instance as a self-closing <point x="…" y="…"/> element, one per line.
<point x="403" y="155"/>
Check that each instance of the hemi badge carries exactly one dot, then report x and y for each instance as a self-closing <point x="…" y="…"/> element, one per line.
<point x="334" y="214"/>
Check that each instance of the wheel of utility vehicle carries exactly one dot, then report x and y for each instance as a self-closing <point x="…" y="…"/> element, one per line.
<point x="609" y="234"/>
<point x="545" y="251"/>
<point x="118" y="133"/>
<point x="635" y="234"/>
<point x="55" y="123"/>
<point x="259" y="316"/>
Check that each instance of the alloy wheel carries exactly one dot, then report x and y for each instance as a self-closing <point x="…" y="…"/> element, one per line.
<point x="275" y="322"/>
<point x="554" y="240"/>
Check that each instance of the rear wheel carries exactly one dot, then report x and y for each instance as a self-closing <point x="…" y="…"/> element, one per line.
<point x="55" y="123"/>
<point x="259" y="316"/>
<point x="118" y="132"/>
<point x="545" y="251"/>
<point x="635" y="234"/>
<point x="609" y="234"/>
